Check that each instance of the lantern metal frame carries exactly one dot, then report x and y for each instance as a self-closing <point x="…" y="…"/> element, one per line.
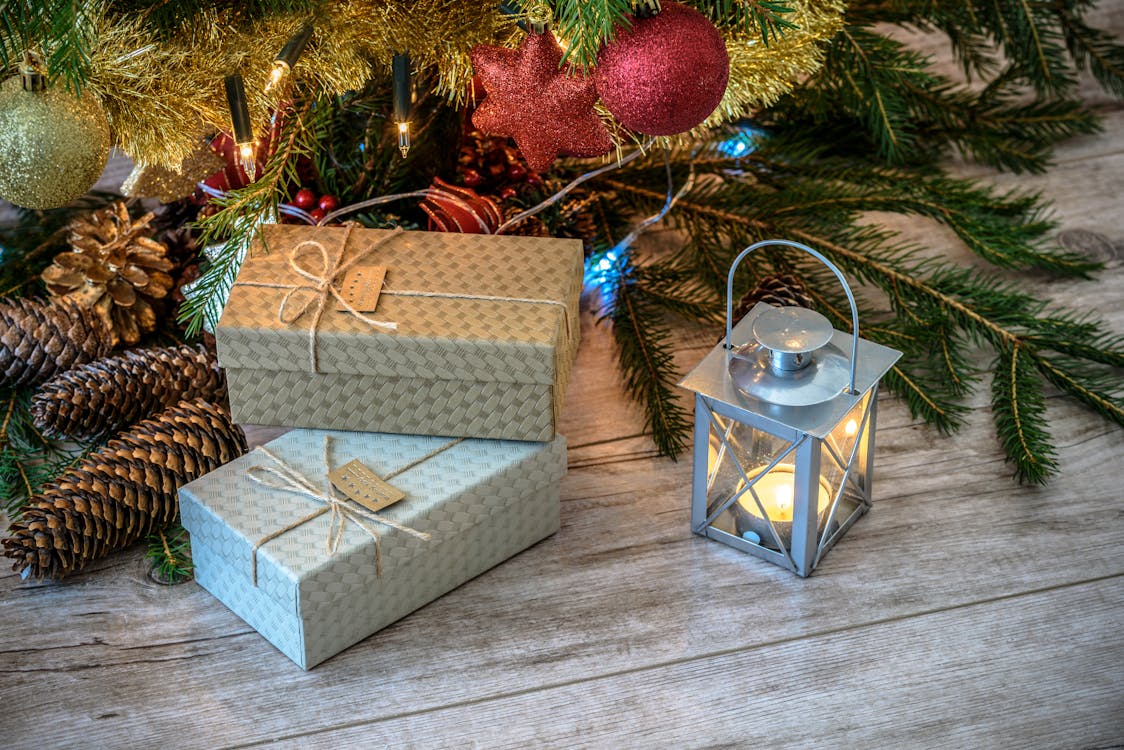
<point x="804" y="428"/>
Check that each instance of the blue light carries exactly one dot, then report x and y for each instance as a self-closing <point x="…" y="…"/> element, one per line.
<point x="734" y="147"/>
<point x="741" y="144"/>
<point x="602" y="272"/>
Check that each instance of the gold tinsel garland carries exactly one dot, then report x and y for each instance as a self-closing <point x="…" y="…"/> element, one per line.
<point x="158" y="93"/>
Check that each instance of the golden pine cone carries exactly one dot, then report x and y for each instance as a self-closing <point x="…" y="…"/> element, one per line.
<point x="115" y="269"/>
<point x="39" y="339"/>
<point x="121" y="492"/>
<point x="105" y="395"/>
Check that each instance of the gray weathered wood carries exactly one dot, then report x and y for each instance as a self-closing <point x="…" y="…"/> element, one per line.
<point x="940" y="679"/>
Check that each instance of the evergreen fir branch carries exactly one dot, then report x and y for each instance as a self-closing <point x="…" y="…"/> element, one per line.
<point x="72" y="36"/>
<point x="1094" y="49"/>
<point x="1101" y="391"/>
<point x="676" y="290"/>
<point x="60" y="30"/>
<point x="1019" y="408"/>
<point x="587" y="25"/>
<point x="765" y="18"/>
<point x="945" y="415"/>
<point x="646" y="358"/>
<point x="169" y="554"/>
<point x="28" y="460"/>
<point x="865" y="74"/>
<point x="937" y="301"/>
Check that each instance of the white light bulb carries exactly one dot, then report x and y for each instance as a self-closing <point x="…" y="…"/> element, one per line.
<point x="404" y="138"/>
<point x="851" y="427"/>
<point x="246" y="158"/>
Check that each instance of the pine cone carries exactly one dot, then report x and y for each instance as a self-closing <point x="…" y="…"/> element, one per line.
<point x="577" y="218"/>
<point x="115" y="269"/>
<point x="532" y="226"/>
<point x="106" y="395"/>
<point x="120" y="493"/>
<point x="39" y="339"/>
<point x="781" y="290"/>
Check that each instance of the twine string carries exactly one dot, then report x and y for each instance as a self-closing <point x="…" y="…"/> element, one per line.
<point x="283" y="476"/>
<point x="322" y="287"/>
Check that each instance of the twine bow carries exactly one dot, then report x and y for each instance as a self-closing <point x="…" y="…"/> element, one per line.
<point x="283" y="476"/>
<point x="322" y="287"/>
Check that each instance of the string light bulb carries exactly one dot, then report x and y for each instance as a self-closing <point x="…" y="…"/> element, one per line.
<point x="403" y="99"/>
<point x="240" y="123"/>
<point x="287" y="58"/>
<point x="32" y="79"/>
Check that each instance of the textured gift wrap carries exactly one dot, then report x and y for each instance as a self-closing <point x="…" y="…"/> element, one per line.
<point x="485" y="331"/>
<point x="479" y="501"/>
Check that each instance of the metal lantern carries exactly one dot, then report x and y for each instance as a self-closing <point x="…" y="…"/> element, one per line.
<point x="784" y="429"/>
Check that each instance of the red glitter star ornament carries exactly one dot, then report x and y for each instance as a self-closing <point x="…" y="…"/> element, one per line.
<point x="543" y="107"/>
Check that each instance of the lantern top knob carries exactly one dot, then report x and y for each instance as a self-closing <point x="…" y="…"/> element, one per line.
<point x="791" y="331"/>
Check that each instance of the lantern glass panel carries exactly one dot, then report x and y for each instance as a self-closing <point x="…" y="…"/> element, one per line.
<point x="848" y="443"/>
<point x="737" y="452"/>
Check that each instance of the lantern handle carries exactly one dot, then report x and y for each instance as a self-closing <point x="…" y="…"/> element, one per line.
<point x="818" y="256"/>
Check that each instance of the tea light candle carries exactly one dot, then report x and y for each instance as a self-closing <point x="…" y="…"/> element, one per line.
<point x="777" y="492"/>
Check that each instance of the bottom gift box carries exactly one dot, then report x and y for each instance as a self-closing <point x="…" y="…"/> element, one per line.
<point x="314" y="572"/>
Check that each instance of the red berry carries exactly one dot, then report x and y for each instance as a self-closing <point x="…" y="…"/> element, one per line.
<point x="472" y="178"/>
<point x="516" y="172"/>
<point x="533" y="179"/>
<point x="317" y="214"/>
<point x="507" y="192"/>
<point x="328" y="203"/>
<point x="304" y="198"/>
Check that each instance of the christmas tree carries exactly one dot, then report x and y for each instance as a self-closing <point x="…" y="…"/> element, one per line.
<point x="729" y="120"/>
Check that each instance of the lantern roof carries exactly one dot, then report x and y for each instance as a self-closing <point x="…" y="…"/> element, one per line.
<point x="712" y="379"/>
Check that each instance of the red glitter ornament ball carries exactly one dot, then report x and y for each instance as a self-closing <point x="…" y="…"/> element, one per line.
<point x="666" y="74"/>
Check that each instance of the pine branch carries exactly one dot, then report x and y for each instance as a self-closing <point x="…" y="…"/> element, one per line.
<point x="169" y="554"/>
<point x="1020" y="416"/>
<point x="940" y="308"/>
<point x="1094" y="49"/>
<point x="587" y="25"/>
<point x="646" y="358"/>
<point x="768" y="19"/>
<point x="28" y="460"/>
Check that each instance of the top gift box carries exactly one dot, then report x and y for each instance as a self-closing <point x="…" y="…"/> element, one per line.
<point x="471" y="335"/>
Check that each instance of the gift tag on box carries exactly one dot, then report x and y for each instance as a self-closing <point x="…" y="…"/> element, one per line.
<point x="361" y="287"/>
<point x="356" y="480"/>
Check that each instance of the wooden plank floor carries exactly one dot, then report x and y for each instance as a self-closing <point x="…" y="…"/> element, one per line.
<point x="963" y="611"/>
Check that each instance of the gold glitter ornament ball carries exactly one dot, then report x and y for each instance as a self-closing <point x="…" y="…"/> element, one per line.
<point x="53" y="145"/>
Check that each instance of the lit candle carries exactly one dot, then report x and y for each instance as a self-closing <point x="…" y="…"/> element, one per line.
<point x="777" y="492"/>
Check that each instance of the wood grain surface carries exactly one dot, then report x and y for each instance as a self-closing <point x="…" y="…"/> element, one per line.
<point x="963" y="611"/>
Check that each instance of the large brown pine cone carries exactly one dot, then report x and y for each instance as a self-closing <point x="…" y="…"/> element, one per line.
<point x="39" y="339"/>
<point x="122" y="492"/>
<point x="108" y="394"/>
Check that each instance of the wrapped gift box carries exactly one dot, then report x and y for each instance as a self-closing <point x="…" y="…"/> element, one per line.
<point x="485" y="330"/>
<point x="314" y="580"/>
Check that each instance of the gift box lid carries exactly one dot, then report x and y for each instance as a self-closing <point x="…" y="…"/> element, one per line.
<point x="450" y="486"/>
<point x="464" y="306"/>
